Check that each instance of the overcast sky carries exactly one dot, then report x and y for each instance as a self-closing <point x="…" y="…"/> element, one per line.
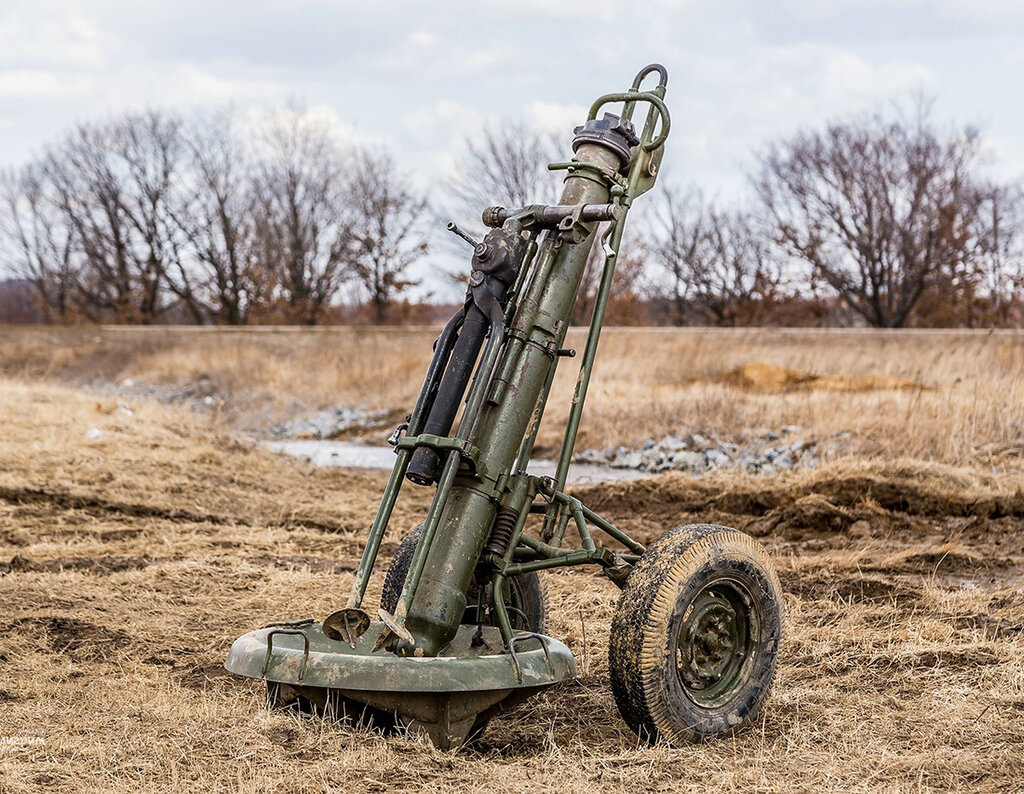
<point x="420" y="76"/>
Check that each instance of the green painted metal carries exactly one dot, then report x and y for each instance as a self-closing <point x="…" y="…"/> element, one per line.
<point x="380" y="523"/>
<point x="304" y="655"/>
<point x="639" y="173"/>
<point x="713" y="644"/>
<point x="525" y="280"/>
<point x="419" y="559"/>
<point x="542" y="319"/>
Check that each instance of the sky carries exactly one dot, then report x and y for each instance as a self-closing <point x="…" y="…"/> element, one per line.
<point x="422" y="76"/>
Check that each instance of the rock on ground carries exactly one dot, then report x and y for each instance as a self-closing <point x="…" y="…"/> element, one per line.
<point x="757" y="452"/>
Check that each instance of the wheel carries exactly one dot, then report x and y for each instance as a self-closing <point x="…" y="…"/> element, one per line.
<point x="524" y="596"/>
<point x="695" y="636"/>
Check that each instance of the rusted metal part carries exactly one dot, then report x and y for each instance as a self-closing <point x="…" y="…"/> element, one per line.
<point x="713" y="643"/>
<point x="513" y="641"/>
<point x="268" y="639"/>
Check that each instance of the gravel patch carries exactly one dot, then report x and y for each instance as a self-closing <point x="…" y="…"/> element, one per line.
<point x="330" y="423"/>
<point x="755" y="451"/>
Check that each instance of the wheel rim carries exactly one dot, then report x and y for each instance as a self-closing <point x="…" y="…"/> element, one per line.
<point x="714" y="643"/>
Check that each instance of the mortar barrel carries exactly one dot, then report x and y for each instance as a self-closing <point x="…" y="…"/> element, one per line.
<point x="542" y="319"/>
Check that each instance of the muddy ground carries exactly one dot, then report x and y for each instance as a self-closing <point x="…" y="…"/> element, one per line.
<point x="130" y="560"/>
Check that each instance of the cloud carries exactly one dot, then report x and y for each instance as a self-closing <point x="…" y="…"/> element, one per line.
<point x="423" y="38"/>
<point x="192" y="84"/>
<point x="1012" y="59"/>
<point x="554" y="117"/>
<point x="254" y="123"/>
<point x="421" y="55"/>
<point x="885" y="20"/>
<point x="435" y="133"/>
<point x="984" y="16"/>
<point x="426" y="77"/>
<point x="447" y="116"/>
<point x="727" y="101"/>
<point x="42" y="84"/>
<point x="61" y="38"/>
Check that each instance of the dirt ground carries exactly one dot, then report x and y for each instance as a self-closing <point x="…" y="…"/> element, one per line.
<point x="138" y="539"/>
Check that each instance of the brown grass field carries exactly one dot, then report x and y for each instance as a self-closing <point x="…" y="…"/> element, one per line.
<point x="130" y="560"/>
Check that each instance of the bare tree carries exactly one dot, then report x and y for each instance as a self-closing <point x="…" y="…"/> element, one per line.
<point x="506" y="165"/>
<point x="717" y="263"/>
<point x="625" y="297"/>
<point x="143" y="217"/>
<point x="217" y="217"/>
<point x="998" y="259"/>
<point x="387" y="229"/>
<point x="302" y="213"/>
<point x="152" y="146"/>
<point x="37" y="240"/>
<point x="677" y="243"/>
<point x="740" y="271"/>
<point x="113" y="184"/>
<point x="876" y="207"/>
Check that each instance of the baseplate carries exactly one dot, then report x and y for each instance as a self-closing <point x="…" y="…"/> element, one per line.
<point x="444" y="696"/>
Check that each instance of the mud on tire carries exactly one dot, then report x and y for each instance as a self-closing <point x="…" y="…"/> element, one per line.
<point x="695" y="636"/>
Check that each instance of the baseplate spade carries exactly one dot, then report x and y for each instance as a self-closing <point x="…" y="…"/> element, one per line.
<point x="444" y="696"/>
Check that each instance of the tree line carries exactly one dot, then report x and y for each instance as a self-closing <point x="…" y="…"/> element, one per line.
<point x="210" y="220"/>
<point x="885" y="220"/>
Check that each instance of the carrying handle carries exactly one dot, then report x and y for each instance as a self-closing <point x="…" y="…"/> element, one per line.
<point x="290" y="633"/>
<point x="653" y="67"/>
<point x="631" y="98"/>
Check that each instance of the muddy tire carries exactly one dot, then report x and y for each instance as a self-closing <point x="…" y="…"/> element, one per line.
<point x="695" y="636"/>
<point x="524" y="595"/>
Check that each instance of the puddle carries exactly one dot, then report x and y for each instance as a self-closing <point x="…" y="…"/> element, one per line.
<point x="365" y="456"/>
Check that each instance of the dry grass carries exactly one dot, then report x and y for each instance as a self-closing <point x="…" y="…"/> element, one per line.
<point x="130" y="561"/>
<point x="648" y="381"/>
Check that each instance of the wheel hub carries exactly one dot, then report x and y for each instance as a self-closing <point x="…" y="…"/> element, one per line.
<point x="712" y="645"/>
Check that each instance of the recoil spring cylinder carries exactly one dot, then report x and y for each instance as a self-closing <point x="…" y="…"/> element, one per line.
<point x="502" y="531"/>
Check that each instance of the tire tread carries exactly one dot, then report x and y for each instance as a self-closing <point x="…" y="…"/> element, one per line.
<point x="638" y="632"/>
